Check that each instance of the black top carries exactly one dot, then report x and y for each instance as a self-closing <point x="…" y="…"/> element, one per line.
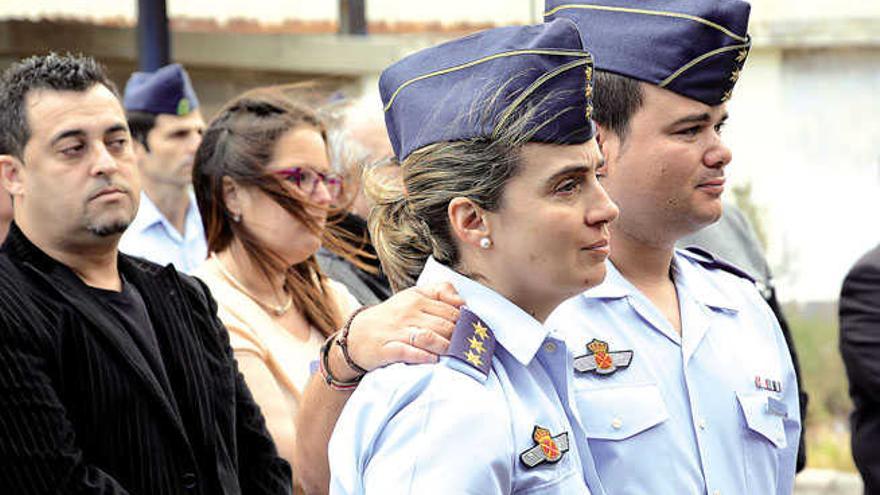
<point x="129" y="309"/>
<point x="82" y="407"/>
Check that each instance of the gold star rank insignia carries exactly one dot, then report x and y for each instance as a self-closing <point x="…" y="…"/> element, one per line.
<point x="474" y="359"/>
<point x="476" y="345"/>
<point x="480" y="330"/>
<point x="472" y="342"/>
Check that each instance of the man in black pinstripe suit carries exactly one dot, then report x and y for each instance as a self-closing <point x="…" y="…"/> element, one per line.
<point x="115" y="374"/>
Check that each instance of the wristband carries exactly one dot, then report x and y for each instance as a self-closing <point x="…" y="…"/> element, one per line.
<point x="324" y="365"/>
<point x="342" y="342"/>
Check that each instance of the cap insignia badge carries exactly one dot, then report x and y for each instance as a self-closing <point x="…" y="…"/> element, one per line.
<point x="183" y="106"/>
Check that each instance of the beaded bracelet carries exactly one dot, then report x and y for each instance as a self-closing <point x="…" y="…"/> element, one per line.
<point x="324" y="365"/>
<point x="342" y="341"/>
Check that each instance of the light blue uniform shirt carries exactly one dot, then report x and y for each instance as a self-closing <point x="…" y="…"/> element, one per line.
<point x="446" y="428"/>
<point x="151" y="236"/>
<point x="686" y="416"/>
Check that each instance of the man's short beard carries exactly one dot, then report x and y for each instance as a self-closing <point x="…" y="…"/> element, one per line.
<point x="108" y="229"/>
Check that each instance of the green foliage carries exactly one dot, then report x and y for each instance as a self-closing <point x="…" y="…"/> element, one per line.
<point x="742" y="196"/>
<point x="815" y="333"/>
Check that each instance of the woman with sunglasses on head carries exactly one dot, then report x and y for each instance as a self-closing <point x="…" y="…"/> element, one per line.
<point x="264" y="188"/>
<point x="499" y="197"/>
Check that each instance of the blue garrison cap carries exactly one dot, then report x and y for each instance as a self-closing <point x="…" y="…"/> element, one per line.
<point x="467" y="88"/>
<point x="167" y="90"/>
<point x="695" y="48"/>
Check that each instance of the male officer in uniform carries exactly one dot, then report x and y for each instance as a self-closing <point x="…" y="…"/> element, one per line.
<point x="683" y="379"/>
<point x="733" y="239"/>
<point x="167" y="125"/>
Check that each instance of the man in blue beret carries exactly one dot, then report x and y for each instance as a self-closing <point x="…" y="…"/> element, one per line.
<point x="683" y="378"/>
<point x="167" y="125"/>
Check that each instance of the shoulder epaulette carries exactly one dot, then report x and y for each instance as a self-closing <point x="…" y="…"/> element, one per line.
<point x="473" y="342"/>
<point x="708" y="260"/>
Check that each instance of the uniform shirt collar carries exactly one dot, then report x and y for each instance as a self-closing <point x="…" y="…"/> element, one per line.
<point x="613" y="287"/>
<point x="149" y="215"/>
<point x="685" y="273"/>
<point x="701" y="283"/>
<point x="515" y="330"/>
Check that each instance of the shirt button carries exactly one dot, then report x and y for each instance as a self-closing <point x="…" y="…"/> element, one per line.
<point x="550" y="347"/>
<point x="702" y="424"/>
<point x="189" y="480"/>
<point x="716" y="492"/>
<point x="616" y="423"/>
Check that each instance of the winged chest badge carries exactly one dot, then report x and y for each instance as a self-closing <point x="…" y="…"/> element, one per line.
<point x="600" y="360"/>
<point x="549" y="448"/>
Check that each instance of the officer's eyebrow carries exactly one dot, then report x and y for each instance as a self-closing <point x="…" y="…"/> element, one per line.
<point x="575" y="169"/>
<point x="80" y="133"/>
<point x="698" y="118"/>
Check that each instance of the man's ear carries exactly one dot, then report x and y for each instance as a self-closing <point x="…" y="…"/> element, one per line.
<point x="608" y="141"/>
<point x="468" y="221"/>
<point x="140" y="151"/>
<point x="11" y="176"/>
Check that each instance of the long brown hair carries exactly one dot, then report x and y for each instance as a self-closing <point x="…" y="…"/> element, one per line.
<point x="238" y="144"/>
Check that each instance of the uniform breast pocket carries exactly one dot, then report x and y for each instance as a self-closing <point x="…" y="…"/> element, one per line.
<point x="762" y="420"/>
<point x="621" y="412"/>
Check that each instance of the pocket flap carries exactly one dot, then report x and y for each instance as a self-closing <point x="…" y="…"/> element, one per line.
<point x="617" y="413"/>
<point x="761" y="419"/>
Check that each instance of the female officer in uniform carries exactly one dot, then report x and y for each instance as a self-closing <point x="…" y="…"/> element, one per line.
<point x="499" y="197"/>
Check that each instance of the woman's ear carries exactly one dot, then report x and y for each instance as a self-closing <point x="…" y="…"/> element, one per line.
<point x="468" y="222"/>
<point x="232" y="197"/>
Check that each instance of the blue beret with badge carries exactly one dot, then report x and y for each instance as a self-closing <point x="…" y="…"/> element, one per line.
<point x="167" y="90"/>
<point x="695" y="48"/>
<point x="468" y="88"/>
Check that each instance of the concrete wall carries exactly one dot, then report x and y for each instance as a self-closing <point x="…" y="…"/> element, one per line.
<point x="805" y="134"/>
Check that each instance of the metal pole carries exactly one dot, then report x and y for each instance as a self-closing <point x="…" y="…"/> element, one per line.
<point x="154" y="42"/>
<point x="353" y="17"/>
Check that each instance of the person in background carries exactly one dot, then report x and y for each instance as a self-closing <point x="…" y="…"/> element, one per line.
<point x="733" y="239"/>
<point x="860" y="348"/>
<point x="167" y="125"/>
<point x="497" y="155"/>
<point x="116" y="377"/>
<point x="681" y="371"/>
<point x="264" y="187"/>
<point x="358" y="141"/>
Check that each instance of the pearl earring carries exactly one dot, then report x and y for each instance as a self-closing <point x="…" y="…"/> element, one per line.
<point x="236" y="218"/>
<point x="485" y="243"/>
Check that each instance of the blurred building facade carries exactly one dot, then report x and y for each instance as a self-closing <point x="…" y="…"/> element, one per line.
<point x="804" y="126"/>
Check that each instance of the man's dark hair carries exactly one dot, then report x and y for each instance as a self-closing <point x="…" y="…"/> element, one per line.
<point x="140" y="124"/>
<point x="616" y="99"/>
<point x="55" y="72"/>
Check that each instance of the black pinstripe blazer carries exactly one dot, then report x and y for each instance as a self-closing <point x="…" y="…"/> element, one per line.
<point x="81" y="408"/>
<point x="860" y="348"/>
